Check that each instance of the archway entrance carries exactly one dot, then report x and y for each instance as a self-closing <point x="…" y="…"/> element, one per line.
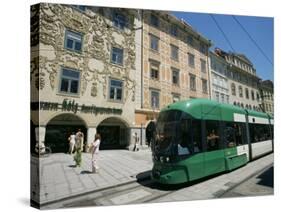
<point x="114" y="134"/>
<point x="59" y="129"/>
<point x="149" y="132"/>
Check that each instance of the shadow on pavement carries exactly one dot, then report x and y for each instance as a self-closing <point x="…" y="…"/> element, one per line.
<point x="266" y="178"/>
<point x="144" y="178"/>
<point x="72" y="166"/>
<point x="86" y="172"/>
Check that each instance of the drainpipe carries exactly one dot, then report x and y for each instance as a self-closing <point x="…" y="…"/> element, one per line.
<point x="209" y="76"/>
<point x="141" y="59"/>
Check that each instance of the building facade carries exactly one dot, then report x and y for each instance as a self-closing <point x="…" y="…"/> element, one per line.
<point x="84" y="63"/>
<point x="267" y="96"/>
<point x="174" y="66"/>
<point x="242" y="80"/>
<point x="219" y="79"/>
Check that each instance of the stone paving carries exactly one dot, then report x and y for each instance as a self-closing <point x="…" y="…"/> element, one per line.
<point x="213" y="187"/>
<point x="59" y="178"/>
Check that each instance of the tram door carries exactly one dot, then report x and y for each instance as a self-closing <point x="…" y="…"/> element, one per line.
<point x="214" y="155"/>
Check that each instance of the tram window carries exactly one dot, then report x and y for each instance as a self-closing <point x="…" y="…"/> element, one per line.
<point x="234" y="134"/>
<point x="212" y="129"/>
<point x="185" y="145"/>
<point x="197" y="135"/>
<point x="259" y="132"/>
<point x="272" y="131"/>
<point x="229" y="134"/>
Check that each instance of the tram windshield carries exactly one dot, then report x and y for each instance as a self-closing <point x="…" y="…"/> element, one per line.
<point x="167" y="132"/>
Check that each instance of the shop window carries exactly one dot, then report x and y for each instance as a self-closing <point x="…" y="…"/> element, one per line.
<point x="69" y="82"/>
<point x="116" y="90"/>
<point x="117" y="56"/>
<point x="73" y="41"/>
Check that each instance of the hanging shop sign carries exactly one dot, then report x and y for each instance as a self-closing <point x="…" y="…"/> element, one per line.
<point x="72" y="106"/>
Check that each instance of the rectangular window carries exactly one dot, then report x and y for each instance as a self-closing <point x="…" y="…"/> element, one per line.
<point x="222" y="98"/>
<point x="176" y="97"/>
<point x="240" y="91"/>
<point x="79" y="7"/>
<point x="154" y="21"/>
<point x="213" y="135"/>
<point x="154" y="70"/>
<point x="117" y="56"/>
<point x="192" y="82"/>
<point x="175" y="76"/>
<point x="259" y="132"/>
<point x="73" y="41"/>
<point x="119" y="20"/>
<point x="203" y="65"/>
<point x="203" y="48"/>
<point x="217" y="96"/>
<point x="174" y="30"/>
<point x="235" y="134"/>
<point x="253" y="95"/>
<point x="174" y="52"/>
<point x="247" y="93"/>
<point x="116" y="90"/>
<point x="69" y="82"/>
<point x="204" y="86"/>
<point x="190" y="40"/>
<point x="191" y="62"/>
<point x="154" y="101"/>
<point x="154" y="42"/>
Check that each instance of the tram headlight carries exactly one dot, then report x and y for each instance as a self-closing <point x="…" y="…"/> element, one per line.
<point x="167" y="159"/>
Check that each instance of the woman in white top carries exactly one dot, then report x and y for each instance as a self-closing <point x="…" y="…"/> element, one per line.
<point x="95" y="152"/>
<point x="71" y="140"/>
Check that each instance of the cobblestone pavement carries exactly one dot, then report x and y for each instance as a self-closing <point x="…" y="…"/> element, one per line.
<point x="59" y="178"/>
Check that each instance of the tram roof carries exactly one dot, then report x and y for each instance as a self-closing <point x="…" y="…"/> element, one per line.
<point x="211" y="110"/>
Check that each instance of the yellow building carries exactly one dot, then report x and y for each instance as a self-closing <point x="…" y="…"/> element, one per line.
<point x="174" y="65"/>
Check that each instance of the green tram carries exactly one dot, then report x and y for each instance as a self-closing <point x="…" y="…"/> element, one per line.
<point x="200" y="137"/>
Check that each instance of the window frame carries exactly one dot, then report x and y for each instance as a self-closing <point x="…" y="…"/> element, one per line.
<point x="68" y="78"/>
<point x="115" y="97"/>
<point x="154" y="20"/>
<point x="69" y="32"/>
<point x="154" y="38"/>
<point x="174" y="52"/>
<point x="203" y="65"/>
<point x="191" y="60"/>
<point x="151" y="69"/>
<point x="151" y="100"/>
<point x="177" y="72"/>
<point x="117" y="22"/>
<point x="192" y="82"/>
<point x="112" y="52"/>
<point x="204" y="86"/>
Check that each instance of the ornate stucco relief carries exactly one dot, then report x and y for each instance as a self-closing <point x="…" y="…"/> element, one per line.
<point x="98" y="38"/>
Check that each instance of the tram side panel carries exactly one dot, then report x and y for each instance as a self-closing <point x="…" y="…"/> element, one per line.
<point x="260" y="136"/>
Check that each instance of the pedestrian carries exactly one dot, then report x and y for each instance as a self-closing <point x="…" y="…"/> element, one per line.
<point x="71" y="140"/>
<point x="95" y="145"/>
<point x="136" y="142"/>
<point x="79" y="141"/>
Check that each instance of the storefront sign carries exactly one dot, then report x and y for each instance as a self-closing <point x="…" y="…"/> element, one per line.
<point x="72" y="106"/>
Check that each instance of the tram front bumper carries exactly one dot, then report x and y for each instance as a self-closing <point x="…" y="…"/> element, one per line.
<point x="169" y="174"/>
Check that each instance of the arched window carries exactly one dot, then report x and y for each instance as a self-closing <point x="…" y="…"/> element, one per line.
<point x="234" y="103"/>
<point x="240" y="91"/>
<point x="242" y="105"/>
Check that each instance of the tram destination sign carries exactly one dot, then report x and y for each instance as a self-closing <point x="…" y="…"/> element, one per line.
<point x="72" y="106"/>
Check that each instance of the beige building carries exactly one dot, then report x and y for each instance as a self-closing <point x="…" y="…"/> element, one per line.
<point x="242" y="80"/>
<point x="84" y="62"/>
<point x="174" y="65"/>
<point x="267" y="94"/>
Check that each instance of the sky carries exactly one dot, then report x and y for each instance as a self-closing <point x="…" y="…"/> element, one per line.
<point x="259" y="28"/>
